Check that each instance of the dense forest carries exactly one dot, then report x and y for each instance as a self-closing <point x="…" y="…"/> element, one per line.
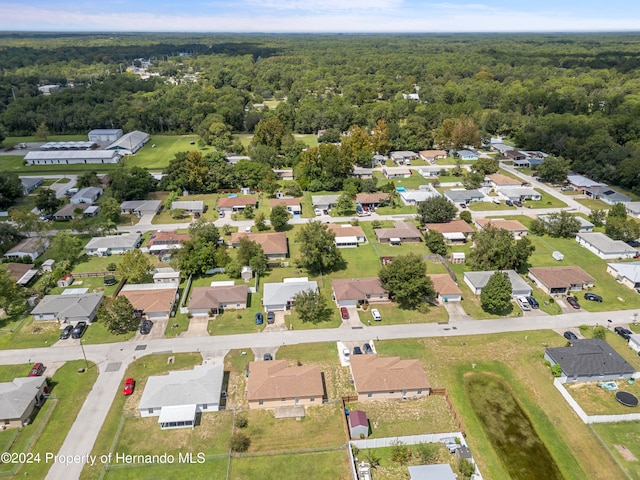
<point x="575" y="96"/>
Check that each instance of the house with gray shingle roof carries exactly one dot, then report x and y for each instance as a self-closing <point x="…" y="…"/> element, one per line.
<point x="70" y="309"/>
<point x="605" y="247"/>
<point x="112" y="244"/>
<point x="19" y="398"/>
<point x="477" y="281"/>
<point x="279" y="296"/>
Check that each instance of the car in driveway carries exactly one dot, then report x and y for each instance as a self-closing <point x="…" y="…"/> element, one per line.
<point x="463" y="205"/>
<point x="344" y="313"/>
<point x="623" y="332"/>
<point x="357" y="351"/>
<point x="78" y="330"/>
<point x="592" y="297"/>
<point x="367" y="348"/>
<point x="267" y="357"/>
<point x="145" y="327"/>
<point x="508" y="203"/>
<point x="129" y="383"/>
<point x="259" y="318"/>
<point x="271" y="318"/>
<point x="573" y="302"/>
<point x="37" y="370"/>
<point x="66" y="333"/>
<point x="523" y="303"/>
<point x="569" y="335"/>
<point x="533" y="302"/>
<point x="375" y="313"/>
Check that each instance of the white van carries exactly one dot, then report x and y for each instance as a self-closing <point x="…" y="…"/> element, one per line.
<point x="376" y="314"/>
<point x="523" y="303"/>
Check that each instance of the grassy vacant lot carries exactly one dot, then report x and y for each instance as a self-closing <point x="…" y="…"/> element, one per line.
<point x="331" y="464"/>
<point x="622" y="441"/>
<point x="517" y="358"/>
<point x="411" y="183"/>
<point x="166" y="147"/>
<point x="23" y="332"/>
<point x="54" y="420"/>
<point x="214" y="467"/>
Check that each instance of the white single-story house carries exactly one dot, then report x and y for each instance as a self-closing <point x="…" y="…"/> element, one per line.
<point x="72" y="157"/>
<point x="105" y="134"/>
<point x="178" y="397"/>
<point x="455" y="231"/>
<point x="579" y="182"/>
<point x="129" y="143"/>
<point x="19" y="398"/>
<point x="585" y="225"/>
<point x="606" y="194"/>
<point x="633" y="209"/>
<point x="446" y="289"/>
<point x="519" y="193"/>
<point x="189" y="206"/>
<point x="347" y="236"/>
<point x="279" y="296"/>
<point x="357" y="291"/>
<point x="362" y="173"/>
<point x="627" y="273"/>
<point x="560" y="280"/>
<point x="400" y="233"/>
<point x="372" y="200"/>
<point x="236" y="204"/>
<point x="517" y="229"/>
<point x="604" y="247"/>
<point x="166" y="275"/>
<point x="413" y="197"/>
<point x="140" y="207"/>
<point x="87" y="195"/>
<point x="283" y="174"/>
<point x="154" y="300"/>
<point x="292" y="204"/>
<point x="432" y="155"/>
<point x="68" y="212"/>
<point x="403" y="157"/>
<point x="29" y="184"/>
<point x="217" y="298"/>
<point x="274" y="244"/>
<point x="477" y="280"/>
<point x="396" y="172"/>
<point x="31" y="247"/>
<point x="466" y="155"/>
<point x="112" y="244"/>
<point x="68" y="308"/>
<point x="463" y="196"/>
<point x="324" y="202"/>
<point x="497" y="180"/>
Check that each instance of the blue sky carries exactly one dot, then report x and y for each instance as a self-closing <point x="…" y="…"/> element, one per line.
<point x="370" y="16"/>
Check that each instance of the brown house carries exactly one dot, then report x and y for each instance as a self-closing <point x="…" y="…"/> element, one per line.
<point x="432" y="155"/>
<point x="372" y="200"/>
<point x="274" y="384"/>
<point x="356" y="291"/>
<point x="560" y="280"/>
<point x="499" y="180"/>
<point x="291" y="204"/>
<point x="162" y="242"/>
<point x="400" y="233"/>
<point x="382" y="378"/>
<point x="274" y="245"/>
<point x="455" y="231"/>
<point x="513" y="226"/>
<point x="206" y="300"/>
<point x="155" y="300"/>
<point x="446" y="289"/>
<point x="235" y="204"/>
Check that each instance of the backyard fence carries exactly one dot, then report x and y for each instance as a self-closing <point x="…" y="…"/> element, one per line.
<point x="443" y="392"/>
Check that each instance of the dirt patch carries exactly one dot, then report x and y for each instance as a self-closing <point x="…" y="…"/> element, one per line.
<point x="626" y="453"/>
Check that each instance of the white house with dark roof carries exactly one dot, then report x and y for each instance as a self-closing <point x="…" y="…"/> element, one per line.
<point x="29" y="184"/>
<point x="477" y="281"/>
<point x="604" y="247"/>
<point x="31" y="247"/>
<point x="466" y="155"/>
<point x="140" y="207"/>
<point x="112" y="244"/>
<point x="69" y="308"/>
<point x="585" y="225"/>
<point x="519" y="193"/>
<point x="464" y="196"/>
<point x="189" y="206"/>
<point x="279" y="296"/>
<point x="324" y="202"/>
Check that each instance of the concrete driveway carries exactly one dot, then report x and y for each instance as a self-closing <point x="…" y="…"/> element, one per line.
<point x="455" y="311"/>
<point x="156" y="333"/>
<point x="197" y="327"/>
<point x="280" y="324"/>
<point x="354" y="319"/>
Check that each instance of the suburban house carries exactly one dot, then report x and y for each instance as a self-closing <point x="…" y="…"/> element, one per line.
<point x="72" y="157"/>
<point x="347" y="235"/>
<point x="605" y="247"/>
<point x="19" y="398"/>
<point x="87" y="195"/>
<point x="65" y="281"/>
<point x="372" y="200"/>
<point x="560" y="280"/>
<point x="477" y="280"/>
<point x="606" y="194"/>
<point x="31" y="247"/>
<point x="498" y="180"/>
<point x="236" y="204"/>
<point x="141" y="207"/>
<point x="579" y="182"/>
<point x="357" y="291"/>
<point x="358" y="424"/>
<point x="324" y="202"/>
<point x="162" y="242"/>
<point x="274" y="245"/>
<point x="585" y="225"/>
<point x="411" y="198"/>
<point x="68" y="308"/>
<point x="155" y="300"/>
<point x="529" y="162"/>
<point x="446" y="289"/>
<point x="464" y="196"/>
<point x="500" y="147"/>
<point x="519" y="193"/>
<point x="627" y="274"/>
<point x="129" y="143"/>
<point x="403" y="157"/>
<point x="233" y="159"/>
<point x="400" y="233"/>
<point x="283" y="174"/>
<point x="633" y="209"/>
<point x="432" y="155"/>
<point x="379" y="159"/>
<point x="515" y="155"/>
<point x="217" y="298"/>
<point x="384" y="378"/>
<point x="292" y="204"/>
<point x="437" y="471"/>
<point x="105" y="134"/>
<point x="29" y="184"/>
<point x="362" y="173"/>
<point x="178" y="397"/>
<point x="68" y="212"/>
<point x="278" y="297"/>
<point x="16" y="270"/>
<point x="190" y="206"/>
<point x="48" y="265"/>
<point x="396" y="172"/>
<point x="589" y="360"/>
<point x="514" y="227"/>
<point x="275" y="384"/>
<point x="466" y="155"/>
<point x="454" y="232"/>
<point x="166" y="275"/>
<point x="112" y="244"/>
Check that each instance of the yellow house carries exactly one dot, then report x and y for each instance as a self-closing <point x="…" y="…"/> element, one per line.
<point x="384" y="378"/>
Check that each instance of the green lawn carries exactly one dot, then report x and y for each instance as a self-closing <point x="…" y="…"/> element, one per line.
<point x="211" y="468"/>
<point x="210" y="215"/>
<point x="12" y="141"/>
<point x="334" y="464"/>
<point x="394" y="315"/>
<point x="166" y="147"/>
<point x="9" y="372"/>
<point x="25" y="333"/>
<point x="96" y="264"/>
<point x="593" y="204"/>
<point x="411" y="183"/>
<point x="619" y="438"/>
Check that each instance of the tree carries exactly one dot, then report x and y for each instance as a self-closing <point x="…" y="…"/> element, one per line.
<point x="26" y="221"/>
<point x="436" y="210"/>
<point x="251" y="253"/>
<point x="279" y="218"/>
<point x="599" y="332"/>
<point x="472" y="180"/>
<point x="136" y="267"/>
<point x="620" y="228"/>
<point x="110" y="210"/>
<point x="618" y="210"/>
<point x="318" y="251"/>
<point x="43" y="131"/>
<point x="380" y="142"/>
<point x="9" y="236"/>
<point x="269" y="132"/>
<point x="260" y="222"/>
<point x="406" y="280"/>
<point x="399" y="452"/>
<point x="311" y="306"/>
<point x="344" y="205"/>
<point x="131" y="183"/>
<point x="206" y="231"/>
<point x="465" y="132"/>
<point x="65" y="246"/>
<point x="597" y="217"/>
<point x="562" y="225"/>
<point x="554" y="169"/>
<point x="12" y="296"/>
<point x="10" y="189"/>
<point x="47" y="202"/>
<point x="537" y="227"/>
<point x="197" y="256"/>
<point x="88" y="179"/>
<point x="428" y="452"/>
<point x="496" y="249"/>
<point x="239" y="442"/>
<point x="372" y="459"/>
<point x="435" y="242"/>
<point x="248" y="212"/>
<point x="486" y="166"/>
<point x="466" y="216"/>
<point x="496" y="294"/>
<point x="466" y="468"/>
<point x="119" y="316"/>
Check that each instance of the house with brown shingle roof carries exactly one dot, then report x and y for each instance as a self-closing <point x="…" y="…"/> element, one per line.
<point x="446" y="289"/>
<point x="274" y="384"/>
<point x="161" y="242"/>
<point x="517" y="229"/>
<point x="155" y="300"/>
<point x="347" y="235"/>
<point x="292" y="204"/>
<point x="217" y="298"/>
<point x="455" y="231"/>
<point x="356" y="291"/>
<point x="372" y="200"/>
<point x="432" y="155"/>
<point x="235" y="204"/>
<point x="383" y="378"/>
<point x="400" y="233"/>
<point x="560" y="280"/>
<point x="499" y="180"/>
<point x="274" y="245"/>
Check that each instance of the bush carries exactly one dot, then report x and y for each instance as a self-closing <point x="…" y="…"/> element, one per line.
<point x="112" y="267"/>
<point x="239" y="442"/>
<point x="242" y="421"/>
